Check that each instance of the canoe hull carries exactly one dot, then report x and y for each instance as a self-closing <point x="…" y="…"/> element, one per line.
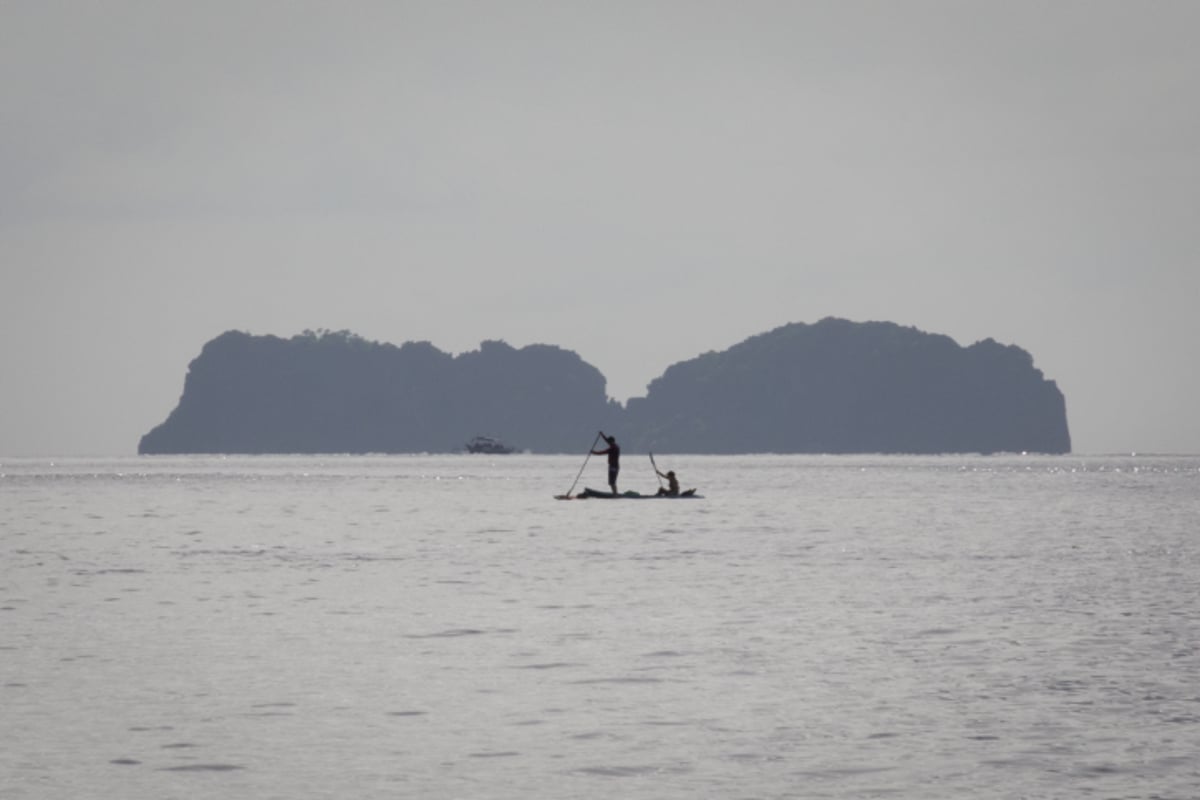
<point x="690" y="494"/>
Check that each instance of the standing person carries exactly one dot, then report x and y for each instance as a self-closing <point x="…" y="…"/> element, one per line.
<point x="614" y="460"/>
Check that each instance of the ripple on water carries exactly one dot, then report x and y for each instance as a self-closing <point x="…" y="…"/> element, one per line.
<point x="982" y="638"/>
<point x="633" y="770"/>
<point x="549" y="665"/>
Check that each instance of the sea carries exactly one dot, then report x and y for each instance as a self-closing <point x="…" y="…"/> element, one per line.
<point x="440" y="626"/>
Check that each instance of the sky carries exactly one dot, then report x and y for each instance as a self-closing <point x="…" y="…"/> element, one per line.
<point x="639" y="182"/>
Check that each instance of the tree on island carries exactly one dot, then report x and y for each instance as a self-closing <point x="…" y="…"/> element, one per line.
<point x="831" y="387"/>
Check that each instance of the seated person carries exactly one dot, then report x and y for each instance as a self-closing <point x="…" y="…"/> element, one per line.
<point x="672" y="487"/>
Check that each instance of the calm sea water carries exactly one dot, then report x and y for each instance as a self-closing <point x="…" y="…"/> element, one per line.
<point x="441" y="627"/>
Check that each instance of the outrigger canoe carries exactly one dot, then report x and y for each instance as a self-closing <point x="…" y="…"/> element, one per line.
<point x="689" y="494"/>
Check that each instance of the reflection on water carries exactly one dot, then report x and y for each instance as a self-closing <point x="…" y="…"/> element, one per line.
<point x="440" y="626"/>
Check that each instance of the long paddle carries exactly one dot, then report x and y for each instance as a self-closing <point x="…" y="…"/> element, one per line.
<point x="567" y="496"/>
<point x="656" y="470"/>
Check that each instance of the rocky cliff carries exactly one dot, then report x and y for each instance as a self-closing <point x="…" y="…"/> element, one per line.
<point x="338" y="393"/>
<point x="831" y="387"/>
<point x="845" y="387"/>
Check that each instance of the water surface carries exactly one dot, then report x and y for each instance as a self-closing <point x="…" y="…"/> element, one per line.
<point x="837" y="627"/>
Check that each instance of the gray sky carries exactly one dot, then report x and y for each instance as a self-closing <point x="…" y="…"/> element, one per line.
<point x="639" y="182"/>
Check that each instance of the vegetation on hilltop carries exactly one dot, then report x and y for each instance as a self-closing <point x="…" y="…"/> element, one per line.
<point x="831" y="387"/>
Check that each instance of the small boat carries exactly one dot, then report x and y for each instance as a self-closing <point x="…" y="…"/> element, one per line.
<point x="689" y="494"/>
<point x="486" y="444"/>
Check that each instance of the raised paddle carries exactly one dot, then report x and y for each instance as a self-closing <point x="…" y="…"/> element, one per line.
<point x="567" y="496"/>
<point x="656" y="470"/>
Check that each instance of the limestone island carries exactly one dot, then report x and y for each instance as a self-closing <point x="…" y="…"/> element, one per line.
<point x="834" y="386"/>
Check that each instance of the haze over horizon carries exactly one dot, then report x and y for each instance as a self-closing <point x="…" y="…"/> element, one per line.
<point x="639" y="183"/>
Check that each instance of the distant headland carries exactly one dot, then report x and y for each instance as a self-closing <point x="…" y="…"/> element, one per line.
<point x="834" y="386"/>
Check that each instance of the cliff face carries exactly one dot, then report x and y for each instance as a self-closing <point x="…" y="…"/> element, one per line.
<point x="832" y="387"/>
<point x="337" y="393"/>
<point x="845" y="387"/>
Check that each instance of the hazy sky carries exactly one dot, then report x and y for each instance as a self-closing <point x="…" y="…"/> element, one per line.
<point x="639" y="182"/>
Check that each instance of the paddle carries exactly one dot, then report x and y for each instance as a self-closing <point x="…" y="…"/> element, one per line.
<point x="656" y="474"/>
<point x="567" y="496"/>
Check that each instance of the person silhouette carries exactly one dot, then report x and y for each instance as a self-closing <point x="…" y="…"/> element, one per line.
<point x="672" y="487"/>
<point x="614" y="460"/>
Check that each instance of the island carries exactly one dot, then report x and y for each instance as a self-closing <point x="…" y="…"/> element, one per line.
<point x="845" y="387"/>
<point x="834" y="386"/>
